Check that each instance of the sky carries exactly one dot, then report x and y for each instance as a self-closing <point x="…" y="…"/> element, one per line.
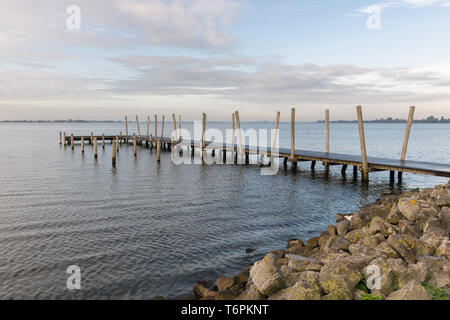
<point x="103" y="59"/>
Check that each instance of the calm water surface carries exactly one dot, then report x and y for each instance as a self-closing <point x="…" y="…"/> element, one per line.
<point x="144" y="229"/>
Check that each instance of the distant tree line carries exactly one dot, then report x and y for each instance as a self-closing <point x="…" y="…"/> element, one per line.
<point x="430" y="119"/>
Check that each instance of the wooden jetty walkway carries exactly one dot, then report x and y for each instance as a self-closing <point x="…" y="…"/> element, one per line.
<point x="241" y="153"/>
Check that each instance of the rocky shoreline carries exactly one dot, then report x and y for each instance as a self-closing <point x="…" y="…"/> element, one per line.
<point x="396" y="248"/>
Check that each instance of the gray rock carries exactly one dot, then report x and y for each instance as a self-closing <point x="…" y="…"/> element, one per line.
<point x="342" y="227"/>
<point x="300" y="291"/>
<point x="340" y="244"/>
<point x="404" y="245"/>
<point x="251" y="293"/>
<point x="332" y="230"/>
<point x="409" y="208"/>
<point x="443" y="199"/>
<point x="266" y="275"/>
<point x="394" y="215"/>
<point x="412" y="291"/>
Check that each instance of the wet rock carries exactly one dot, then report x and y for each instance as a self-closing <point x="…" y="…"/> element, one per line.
<point x="294" y="242"/>
<point x="204" y="289"/>
<point x="224" y="283"/>
<point x="243" y="275"/>
<point x="266" y="275"/>
<point x="300" y="291"/>
<point x="249" y="250"/>
<point x="342" y="227"/>
<point x="313" y="242"/>
<point x="412" y="291"/>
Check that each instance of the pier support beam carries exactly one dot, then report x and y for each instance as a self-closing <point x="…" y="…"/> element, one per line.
<point x="126" y="129"/>
<point x="137" y="126"/>
<point x="82" y="144"/>
<point x="60" y="138"/>
<point x="313" y="165"/>
<point x="72" y="144"/>
<point x="344" y="169"/>
<point x="95" y="148"/>
<point x="65" y="139"/>
<point x="202" y="142"/>
<point x="158" y="150"/>
<point x="238" y="126"/>
<point x="292" y="159"/>
<point x="364" y="167"/>
<point x="134" y="145"/>
<point x="406" y="137"/>
<point x="113" y="155"/>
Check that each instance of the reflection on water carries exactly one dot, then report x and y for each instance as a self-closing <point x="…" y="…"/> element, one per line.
<point x="146" y="229"/>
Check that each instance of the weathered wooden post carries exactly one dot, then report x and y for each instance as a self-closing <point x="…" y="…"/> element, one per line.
<point x="113" y="147"/>
<point x="274" y="140"/>
<point x="60" y="137"/>
<point x="174" y="124"/>
<point x="65" y="139"/>
<point x="91" y="141"/>
<point x="117" y="143"/>
<point x="158" y="150"/>
<point x="148" y="126"/>
<point x="179" y="127"/>
<point x="95" y="148"/>
<point x="82" y="144"/>
<point x="126" y="129"/>
<point x="134" y="145"/>
<point x="202" y="147"/>
<point x="238" y="125"/>
<point x="137" y="126"/>
<point x="364" y="167"/>
<point x="151" y="142"/>
<point x="162" y="126"/>
<point x="406" y="138"/>
<point x="71" y="141"/>
<point x="103" y="141"/>
<point x="233" y="125"/>
<point x="120" y="137"/>
<point x="156" y="127"/>
<point x="327" y="136"/>
<point x="293" y="160"/>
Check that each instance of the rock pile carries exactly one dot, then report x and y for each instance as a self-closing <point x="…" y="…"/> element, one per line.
<point x="395" y="248"/>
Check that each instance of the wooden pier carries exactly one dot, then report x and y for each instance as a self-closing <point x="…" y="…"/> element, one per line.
<point x="363" y="163"/>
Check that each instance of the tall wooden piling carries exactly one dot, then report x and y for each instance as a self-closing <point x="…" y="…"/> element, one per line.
<point x="156" y="127"/>
<point x="364" y="168"/>
<point x="72" y="144"/>
<point x="148" y="126"/>
<point x="103" y="141"/>
<point x="82" y="144"/>
<point x="233" y="125"/>
<point x="117" y="143"/>
<point x="274" y="139"/>
<point x="120" y="137"/>
<point x="162" y="126"/>
<point x="174" y="124"/>
<point x="158" y="150"/>
<point x="65" y="139"/>
<point x="60" y="137"/>
<point x="179" y="127"/>
<point x="327" y="137"/>
<point x="91" y="141"/>
<point x="137" y="126"/>
<point x="293" y="160"/>
<point x="95" y="148"/>
<point x="134" y="145"/>
<point x="238" y="126"/>
<point x="202" y="147"/>
<point x="406" y="138"/>
<point x="113" y="147"/>
<point x="126" y="129"/>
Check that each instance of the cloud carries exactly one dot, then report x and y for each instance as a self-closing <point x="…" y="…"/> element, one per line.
<point x="412" y="4"/>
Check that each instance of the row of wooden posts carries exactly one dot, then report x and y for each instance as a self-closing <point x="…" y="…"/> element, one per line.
<point x="364" y="168"/>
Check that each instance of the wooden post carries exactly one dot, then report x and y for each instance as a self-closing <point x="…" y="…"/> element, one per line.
<point x="156" y="127"/>
<point x="406" y="138"/>
<point x="148" y="126"/>
<point x="293" y="160"/>
<point x="327" y="131"/>
<point x="274" y="140"/>
<point x="71" y="141"/>
<point x="120" y="137"/>
<point x="364" y="167"/>
<point x="113" y="147"/>
<point x="60" y="137"/>
<point x="137" y="126"/>
<point x="179" y="127"/>
<point x="95" y="148"/>
<point x="126" y="129"/>
<point x="233" y="125"/>
<point x="82" y="144"/>
<point x="202" y="147"/>
<point x="158" y="150"/>
<point x="117" y="143"/>
<point x="162" y="126"/>
<point x="238" y="125"/>
<point x="313" y="165"/>
<point x="151" y="142"/>
<point x="134" y="145"/>
<point x="65" y="139"/>
<point x="91" y="141"/>
<point x="174" y="123"/>
<point x="103" y="140"/>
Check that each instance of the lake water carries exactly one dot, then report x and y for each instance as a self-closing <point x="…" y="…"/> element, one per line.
<point x="144" y="229"/>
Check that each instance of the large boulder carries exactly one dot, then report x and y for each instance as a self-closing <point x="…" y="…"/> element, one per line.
<point x="378" y="225"/>
<point x="409" y="208"/>
<point x="443" y="199"/>
<point x="251" y="293"/>
<point x="342" y="227"/>
<point x="267" y="276"/>
<point x="224" y="283"/>
<point x="381" y="276"/>
<point x="299" y="263"/>
<point x="412" y="291"/>
<point x="404" y="245"/>
<point x="300" y="291"/>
